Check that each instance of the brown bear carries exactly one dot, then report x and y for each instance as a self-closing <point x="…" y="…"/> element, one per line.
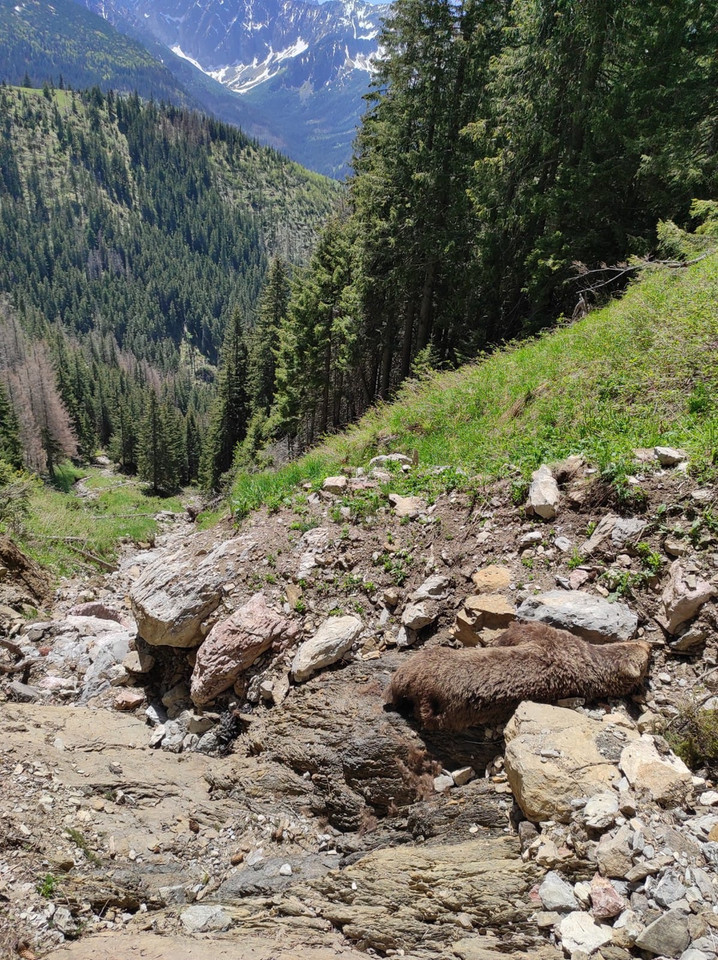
<point x="451" y="690"/>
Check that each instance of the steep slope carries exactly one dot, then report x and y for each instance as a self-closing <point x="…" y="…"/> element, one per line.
<point x="638" y="372"/>
<point x="302" y="66"/>
<point x="49" y="41"/>
<point x="150" y="223"/>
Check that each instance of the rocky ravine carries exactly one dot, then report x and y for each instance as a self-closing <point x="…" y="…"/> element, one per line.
<point x="196" y="758"/>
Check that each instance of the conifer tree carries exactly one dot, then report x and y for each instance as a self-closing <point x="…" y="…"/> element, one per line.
<point x="230" y="412"/>
<point x="193" y="446"/>
<point x="264" y="341"/>
<point x="10" y="446"/>
<point x="161" y="448"/>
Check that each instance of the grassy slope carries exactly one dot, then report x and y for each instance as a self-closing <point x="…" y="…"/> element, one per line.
<point x="642" y="371"/>
<point x="121" y="509"/>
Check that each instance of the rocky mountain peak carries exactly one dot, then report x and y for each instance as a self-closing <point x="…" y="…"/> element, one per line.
<point x="284" y="56"/>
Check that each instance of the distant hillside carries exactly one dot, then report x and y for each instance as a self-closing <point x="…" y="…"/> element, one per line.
<point x="130" y="234"/>
<point x="297" y="69"/>
<point x="49" y="41"/>
<point x="149" y="222"/>
<point x="63" y="40"/>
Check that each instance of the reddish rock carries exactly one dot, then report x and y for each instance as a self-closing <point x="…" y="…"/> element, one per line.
<point x="98" y="610"/>
<point x="233" y="645"/>
<point x="129" y="700"/>
<point x="606" y="901"/>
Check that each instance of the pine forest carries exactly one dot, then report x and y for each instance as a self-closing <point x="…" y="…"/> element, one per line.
<point x="190" y="302"/>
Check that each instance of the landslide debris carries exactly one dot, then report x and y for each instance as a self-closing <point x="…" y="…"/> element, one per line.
<point x="293" y="809"/>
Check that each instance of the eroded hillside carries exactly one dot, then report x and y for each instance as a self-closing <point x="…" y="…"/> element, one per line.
<point x="293" y="814"/>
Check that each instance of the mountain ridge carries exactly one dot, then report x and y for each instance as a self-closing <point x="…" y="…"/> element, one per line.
<point x="300" y="68"/>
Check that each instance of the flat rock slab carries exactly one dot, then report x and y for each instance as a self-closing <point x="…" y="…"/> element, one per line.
<point x="178" y="591"/>
<point x="149" y="946"/>
<point x="368" y="899"/>
<point x="410" y="507"/>
<point x="554" y="756"/>
<point x="592" y="618"/>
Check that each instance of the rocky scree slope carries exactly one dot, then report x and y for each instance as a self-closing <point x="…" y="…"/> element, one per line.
<point x="173" y="781"/>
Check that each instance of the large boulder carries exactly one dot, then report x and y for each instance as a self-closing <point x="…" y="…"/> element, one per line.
<point x="593" y="618"/>
<point x="329" y="644"/>
<point x="233" y="645"/>
<point x="555" y="756"/>
<point x="178" y="592"/>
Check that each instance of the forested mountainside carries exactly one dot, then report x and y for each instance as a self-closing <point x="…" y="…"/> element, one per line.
<point x="129" y="234"/>
<point x="508" y="151"/>
<point x="66" y="43"/>
<point x="298" y="67"/>
<point x="47" y="42"/>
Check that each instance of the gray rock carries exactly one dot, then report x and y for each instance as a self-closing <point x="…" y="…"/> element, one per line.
<point x="557" y="894"/>
<point x="601" y="811"/>
<point x="175" y="732"/>
<point x="563" y="544"/>
<point x="385" y="458"/>
<point x="668" y="936"/>
<point x="669" y="889"/>
<point x="690" y="637"/>
<point x="435" y="588"/>
<point x="627" y="531"/>
<point x="178" y="591"/>
<point x="23" y="692"/>
<point x="331" y="641"/>
<point x="669" y="456"/>
<point x="205" y="917"/>
<point x="106" y="653"/>
<point x="683" y="597"/>
<point x="63" y="921"/>
<point x="530" y="539"/>
<point x="693" y="954"/>
<point x="592" y="618"/>
<point x="418" y="615"/>
<point x="543" y="497"/>
<point x="443" y="782"/>
<point x="578" y="931"/>
<point x="156" y="714"/>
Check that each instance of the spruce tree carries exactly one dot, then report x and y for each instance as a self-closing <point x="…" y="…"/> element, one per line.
<point x="10" y="446"/>
<point x="230" y="412"/>
<point x="161" y="447"/>
<point x="264" y="341"/>
<point x="193" y="446"/>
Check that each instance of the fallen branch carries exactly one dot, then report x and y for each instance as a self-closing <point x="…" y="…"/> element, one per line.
<point x="621" y="269"/>
<point x="70" y="544"/>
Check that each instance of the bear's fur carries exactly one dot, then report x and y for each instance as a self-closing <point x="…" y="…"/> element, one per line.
<point x="451" y="690"/>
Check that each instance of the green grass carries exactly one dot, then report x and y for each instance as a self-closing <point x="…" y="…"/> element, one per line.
<point x="122" y="511"/>
<point x="641" y="371"/>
